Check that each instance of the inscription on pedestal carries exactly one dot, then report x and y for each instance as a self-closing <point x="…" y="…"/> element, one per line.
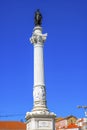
<point x="45" y="124"/>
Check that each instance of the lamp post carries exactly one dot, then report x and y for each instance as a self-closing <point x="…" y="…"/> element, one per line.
<point x="85" y="109"/>
<point x="84" y="124"/>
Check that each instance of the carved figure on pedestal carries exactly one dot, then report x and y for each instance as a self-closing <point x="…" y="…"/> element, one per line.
<point x="39" y="93"/>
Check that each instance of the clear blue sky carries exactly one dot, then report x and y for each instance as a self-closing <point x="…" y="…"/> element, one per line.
<point x="65" y="56"/>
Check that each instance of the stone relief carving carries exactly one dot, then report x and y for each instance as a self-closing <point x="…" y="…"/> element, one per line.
<point x="39" y="93"/>
<point x="40" y="103"/>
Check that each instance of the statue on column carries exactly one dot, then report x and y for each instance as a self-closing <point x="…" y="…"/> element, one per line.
<point x="38" y="18"/>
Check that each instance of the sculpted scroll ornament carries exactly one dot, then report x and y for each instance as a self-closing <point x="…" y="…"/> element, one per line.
<point x="38" y="38"/>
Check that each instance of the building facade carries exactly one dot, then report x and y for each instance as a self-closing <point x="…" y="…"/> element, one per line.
<point x="66" y="123"/>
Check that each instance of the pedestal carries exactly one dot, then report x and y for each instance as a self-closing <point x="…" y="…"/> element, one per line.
<point x="40" y="120"/>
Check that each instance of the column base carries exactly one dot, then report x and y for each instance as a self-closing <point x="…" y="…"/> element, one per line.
<point x="40" y="120"/>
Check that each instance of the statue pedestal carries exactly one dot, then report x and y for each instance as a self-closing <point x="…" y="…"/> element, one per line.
<point x="40" y="120"/>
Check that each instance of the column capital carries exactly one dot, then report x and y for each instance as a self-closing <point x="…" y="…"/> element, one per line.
<point x="37" y="36"/>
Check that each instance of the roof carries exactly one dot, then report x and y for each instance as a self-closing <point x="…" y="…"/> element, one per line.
<point x="66" y="118"/>
<point x="70" y="117"/>
<point x="12" y="125"/>
<point x="59" y="119"/>
<point x="72" y="126"/>
<point x="80" y="120"/>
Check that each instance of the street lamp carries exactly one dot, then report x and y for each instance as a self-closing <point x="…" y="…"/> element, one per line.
<point x="85" y="109"/>
<point x="84" y="126"/>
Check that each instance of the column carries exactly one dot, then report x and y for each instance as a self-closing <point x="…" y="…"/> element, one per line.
<point x="39" y="92"/>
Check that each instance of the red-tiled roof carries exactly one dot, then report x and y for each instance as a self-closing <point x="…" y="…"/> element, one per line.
<point x="72" y="126"/>
<point x="12" y="125"/>
<point x="60" y="118"/>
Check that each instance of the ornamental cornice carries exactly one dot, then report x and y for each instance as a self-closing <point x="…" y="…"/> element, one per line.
<point x="40" y="114"/>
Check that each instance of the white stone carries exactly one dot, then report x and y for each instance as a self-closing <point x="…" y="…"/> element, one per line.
<point x="40" y="118"/>
<point x="41" y="123"/>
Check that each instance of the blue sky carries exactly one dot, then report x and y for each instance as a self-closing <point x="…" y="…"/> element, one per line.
<point x="65" y="56"/>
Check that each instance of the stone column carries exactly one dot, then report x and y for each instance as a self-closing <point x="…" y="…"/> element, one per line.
<point x="39" y="93"/>
<point x="40" y="118"/>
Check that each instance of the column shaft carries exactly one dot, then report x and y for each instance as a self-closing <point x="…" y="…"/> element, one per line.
<point x="38" y="65"/>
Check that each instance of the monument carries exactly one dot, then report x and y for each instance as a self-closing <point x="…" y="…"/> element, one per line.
<point x="40" y="118"/>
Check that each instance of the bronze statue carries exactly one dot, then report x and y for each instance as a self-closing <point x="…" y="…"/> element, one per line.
<point x="38" y="18"/>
